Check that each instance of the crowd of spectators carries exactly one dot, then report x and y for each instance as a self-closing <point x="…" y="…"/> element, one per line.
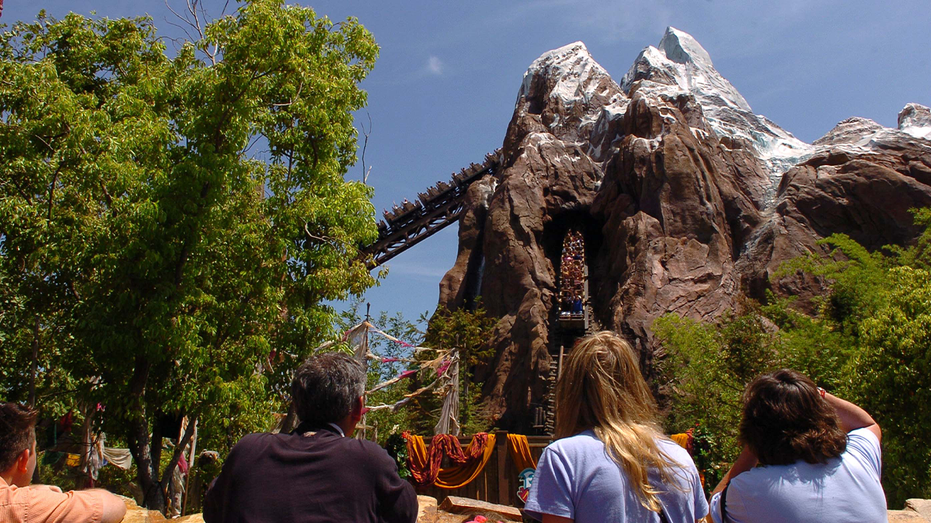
<point x="572" y="274"/>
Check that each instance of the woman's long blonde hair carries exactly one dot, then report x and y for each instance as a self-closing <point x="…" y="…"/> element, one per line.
<point x="601" y="388"/>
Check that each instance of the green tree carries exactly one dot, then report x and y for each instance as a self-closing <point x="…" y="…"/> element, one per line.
<point x="891" y="378"/>
<point x="154" y="261"/>
<point x="707" y="366"/>
<point x="879" y="303"/>
<point x="466" y="331"/>
<point x="870" y="342"/>
<point x="394" y="358"/>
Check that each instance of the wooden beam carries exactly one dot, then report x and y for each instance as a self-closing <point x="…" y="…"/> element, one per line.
<point x="501" y="442"/>
<point x="458" y="505"/>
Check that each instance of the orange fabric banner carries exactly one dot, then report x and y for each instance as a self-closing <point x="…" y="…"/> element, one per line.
<point x="519" y="448"/>
<point x="686" y="440"/>
<point x="425" y="465"/>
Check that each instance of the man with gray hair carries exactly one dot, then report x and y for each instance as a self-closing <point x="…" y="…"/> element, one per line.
<point x="317" y="473"/>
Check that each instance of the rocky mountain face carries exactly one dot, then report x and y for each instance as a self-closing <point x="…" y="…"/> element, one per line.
<point x="686" y="200"/>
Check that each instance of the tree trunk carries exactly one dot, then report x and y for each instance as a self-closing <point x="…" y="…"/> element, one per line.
<point x="168" y="475"/>
<point x="35" y="364"/>
<point x="140" y="446"/>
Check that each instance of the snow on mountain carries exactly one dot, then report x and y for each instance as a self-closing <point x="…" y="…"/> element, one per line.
<point x="573" y="68"/>
<point x="575" y="95"/>
<point x="915" y="119"/>
<point x="862" y="136"/>
<point x="580" y="102"/>
<point x="852" y="131"/>
<point x="681" y="64"/>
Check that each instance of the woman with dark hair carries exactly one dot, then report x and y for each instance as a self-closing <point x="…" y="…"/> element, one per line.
<point x="611" y="461"/>
<point x="820" y="458"/>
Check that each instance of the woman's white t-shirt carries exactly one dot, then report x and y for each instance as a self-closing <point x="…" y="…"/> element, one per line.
<point x="576" y="479"/>
<point x="846" y="488"/>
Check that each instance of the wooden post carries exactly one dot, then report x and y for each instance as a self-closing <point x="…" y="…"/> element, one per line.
<point x="362" y="355"/>
<point x="501" y="444"/>
<point x="190" y="468"/>
<point x="559" y="365"/>
<point x="585" y="300"/>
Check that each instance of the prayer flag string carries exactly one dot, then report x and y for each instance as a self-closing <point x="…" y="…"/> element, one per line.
<point x="440" y="364"/>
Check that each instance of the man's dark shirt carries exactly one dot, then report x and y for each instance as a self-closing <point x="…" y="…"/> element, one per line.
<point x="325" y="477"/>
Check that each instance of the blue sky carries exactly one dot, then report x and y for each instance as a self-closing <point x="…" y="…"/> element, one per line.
<point x="444" y="88"/>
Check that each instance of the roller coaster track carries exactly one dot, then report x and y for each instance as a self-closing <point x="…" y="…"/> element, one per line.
<point x="410" y="223"/>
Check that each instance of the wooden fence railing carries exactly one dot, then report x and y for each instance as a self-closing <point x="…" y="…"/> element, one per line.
<point x="498" y="481"/>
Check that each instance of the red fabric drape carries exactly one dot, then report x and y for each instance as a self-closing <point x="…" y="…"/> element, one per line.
<point x="425" y="464"/>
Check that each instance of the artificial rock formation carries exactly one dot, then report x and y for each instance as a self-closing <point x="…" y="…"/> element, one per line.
<point x="682" y="196"/>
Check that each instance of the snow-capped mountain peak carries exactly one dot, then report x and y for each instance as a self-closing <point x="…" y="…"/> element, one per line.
<point x="573" y="69"/>
<point x="569" y="91"/>
<point x="680" y="47"/>
<point x="861" y="135"/>
<point x="680" y="64"/>
<point x="578" y="101"/>
<point x="680" y="61"/>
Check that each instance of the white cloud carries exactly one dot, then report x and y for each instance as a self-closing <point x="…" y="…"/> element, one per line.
<point x="435" y="66"/>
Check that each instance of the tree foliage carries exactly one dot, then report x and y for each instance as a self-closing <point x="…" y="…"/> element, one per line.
<point x="891" y="377"/>
<point x="707" y="367"/>
<point x="880" y="301"/>
<point x="393" y="359"/>
<point x="870" y="343"/>
<point x="466" y="331"/>
<point x="153" y="259"/>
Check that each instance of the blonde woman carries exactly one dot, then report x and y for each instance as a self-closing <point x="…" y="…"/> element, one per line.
<point x="611" y="462"/>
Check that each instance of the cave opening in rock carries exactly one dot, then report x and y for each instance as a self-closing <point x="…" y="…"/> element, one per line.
<point x="571" y="317"/>
<point x="571" y="243"/>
